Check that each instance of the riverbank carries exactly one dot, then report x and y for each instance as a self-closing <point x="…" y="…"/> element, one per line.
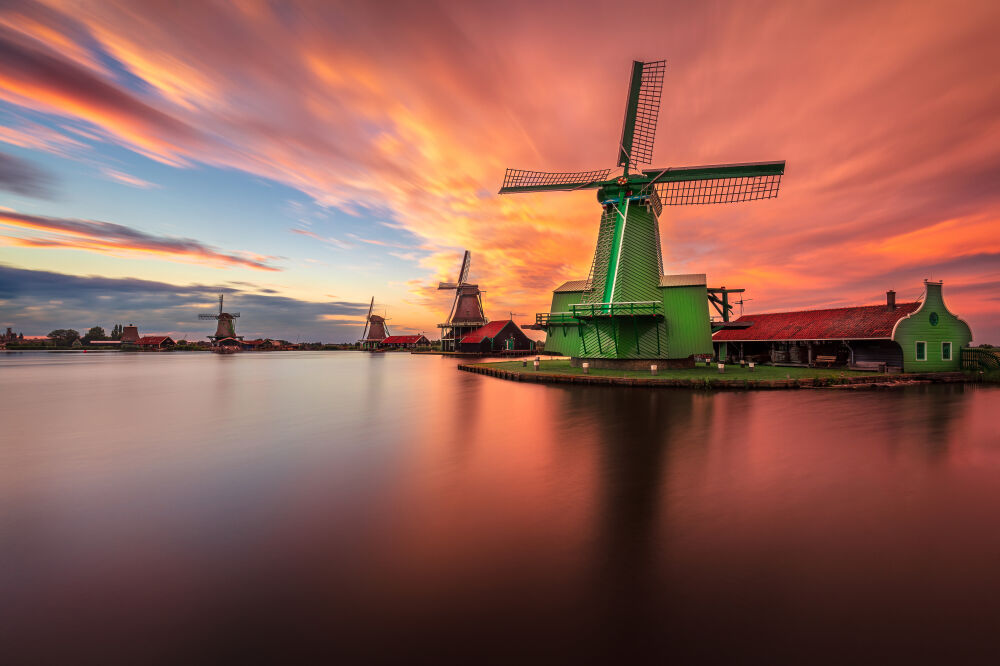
<point x="761" y="377"/>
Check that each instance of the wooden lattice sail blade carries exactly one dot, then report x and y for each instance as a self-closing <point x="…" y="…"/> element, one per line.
<point x="463" y="273"/>
<point x="642" y="109"/>
<point x="519" y="180"/>
<point x="722" y="183"/>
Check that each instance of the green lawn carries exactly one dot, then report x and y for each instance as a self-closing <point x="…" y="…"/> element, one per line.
<point x="761" y="372"/>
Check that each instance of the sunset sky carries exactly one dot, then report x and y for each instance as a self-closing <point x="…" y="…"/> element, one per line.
<point x="306" y="156"/>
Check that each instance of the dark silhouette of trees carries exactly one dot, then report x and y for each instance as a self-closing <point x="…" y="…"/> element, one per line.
<point x="64" y="337"/>
<point x="95" y="333"/>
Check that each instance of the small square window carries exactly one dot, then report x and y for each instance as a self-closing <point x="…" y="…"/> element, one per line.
<point x="945" y="351"/>
<point x="921" y="351"/>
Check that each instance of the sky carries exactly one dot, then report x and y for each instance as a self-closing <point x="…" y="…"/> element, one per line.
<point x="306" y="157"/>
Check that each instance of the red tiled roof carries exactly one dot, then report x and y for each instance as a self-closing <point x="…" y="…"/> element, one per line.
<point x="855" y="323"/>
<point x="402" y="339"/>
<point x="490" y="330"/>
<point x="152" y="339"/>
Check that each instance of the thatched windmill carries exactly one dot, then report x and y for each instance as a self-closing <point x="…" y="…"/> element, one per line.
<point x="226" y="327"/>
<point x="376" y="329"/>
<point x="466" y="313"/>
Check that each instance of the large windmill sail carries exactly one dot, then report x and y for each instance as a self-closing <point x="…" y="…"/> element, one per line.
<point x="368" y="316"/>
<point x="642" y="109"/>
<point x="724" y="183"/>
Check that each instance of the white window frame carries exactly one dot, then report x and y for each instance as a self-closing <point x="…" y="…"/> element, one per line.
<point x="951" y="350"/>
<point x="916" y="344"/>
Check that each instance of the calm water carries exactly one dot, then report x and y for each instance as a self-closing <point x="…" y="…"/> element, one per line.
<point x="192" y="507"/>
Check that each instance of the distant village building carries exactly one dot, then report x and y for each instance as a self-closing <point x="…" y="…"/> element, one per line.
<point x="264" y="344"/>
<point x="157" y="342"/>
<point x="405" y="342"/>
<point x="922" y="336"/>
<point x="11" y="336"/>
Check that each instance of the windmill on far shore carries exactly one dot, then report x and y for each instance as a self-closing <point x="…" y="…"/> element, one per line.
<point x="376" y="330"/>
<point x="226" y="327"/>
<point x="466" y="313"/>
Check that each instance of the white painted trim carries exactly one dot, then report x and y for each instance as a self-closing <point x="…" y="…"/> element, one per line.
<point x="951" y="350"/>
<point x="919" y="342"/>
<point x="618" y="259"/>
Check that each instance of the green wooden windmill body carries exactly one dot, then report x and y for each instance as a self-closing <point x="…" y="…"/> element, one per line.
<point x="627" y="309"/>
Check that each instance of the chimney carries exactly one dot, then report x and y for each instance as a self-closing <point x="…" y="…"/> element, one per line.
<point x="890" y="300"/>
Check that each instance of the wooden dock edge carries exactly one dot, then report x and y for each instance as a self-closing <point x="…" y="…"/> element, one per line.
<point x="721" y="383"/>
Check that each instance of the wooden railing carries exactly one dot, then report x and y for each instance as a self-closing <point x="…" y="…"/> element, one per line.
<point x="617" y="309"/>
<point x="980" y="358"/>
<point x="555" y="318"/>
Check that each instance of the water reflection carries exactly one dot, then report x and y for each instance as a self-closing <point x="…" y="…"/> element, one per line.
<point x="389" y="506"/>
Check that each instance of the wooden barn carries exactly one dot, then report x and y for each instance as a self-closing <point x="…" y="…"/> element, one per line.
<point x="496" y="336"/>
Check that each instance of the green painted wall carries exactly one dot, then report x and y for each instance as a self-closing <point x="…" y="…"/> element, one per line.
<point x="689" y="330"/>
<point x="561" y="300"/>
<point x="563" y="340"/>
<point x="625" y="337"/>
<point x="933" y="324"/>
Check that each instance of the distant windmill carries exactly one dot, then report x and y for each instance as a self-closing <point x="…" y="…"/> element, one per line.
<point x="226" y="327"/>
<point x="376" y="329"/>
<point x="466" y="313"/>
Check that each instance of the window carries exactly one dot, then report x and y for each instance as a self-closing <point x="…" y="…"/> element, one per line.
<point x="921" y="351"/>
<point x="945" y="351"/>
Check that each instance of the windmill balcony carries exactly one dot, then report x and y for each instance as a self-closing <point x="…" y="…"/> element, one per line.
<point x="648" y="309"/>
<point x="580" y="311"/>
<point x="555" y="319"/>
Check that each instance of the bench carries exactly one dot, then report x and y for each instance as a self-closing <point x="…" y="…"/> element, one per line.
<point x="825" y="360"/>
<point x="874" y="366"/>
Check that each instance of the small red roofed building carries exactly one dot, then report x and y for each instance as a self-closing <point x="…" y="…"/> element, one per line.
<point x="405" y="341"/>
<point x="497" y="336"/>
<point x="155" y="342"/>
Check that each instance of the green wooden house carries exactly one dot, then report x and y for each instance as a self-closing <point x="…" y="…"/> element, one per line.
<point x="931" y="338"/>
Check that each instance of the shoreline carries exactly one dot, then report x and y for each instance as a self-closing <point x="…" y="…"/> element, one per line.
<point x="736" y="379"/>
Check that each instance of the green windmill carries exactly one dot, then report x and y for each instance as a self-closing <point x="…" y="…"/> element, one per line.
<point x="627" y="310"/>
